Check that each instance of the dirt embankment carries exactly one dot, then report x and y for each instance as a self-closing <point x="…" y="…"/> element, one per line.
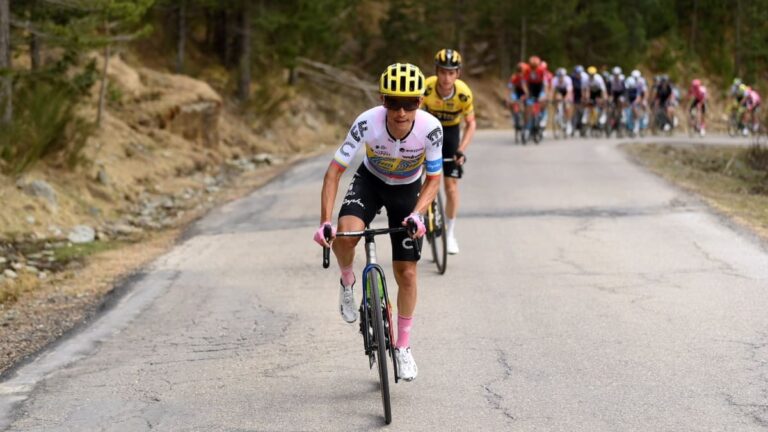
<point x="169" y="149"/>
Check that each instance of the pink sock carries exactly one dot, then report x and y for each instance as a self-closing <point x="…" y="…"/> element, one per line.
<point x="403" y="331"/>
<point x="347" y="275"/>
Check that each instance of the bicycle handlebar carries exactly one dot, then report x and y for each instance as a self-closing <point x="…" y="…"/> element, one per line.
<point x="411" y="229"/>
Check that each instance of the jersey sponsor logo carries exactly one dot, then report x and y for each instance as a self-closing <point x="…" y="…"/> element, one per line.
<point x="347" y="144"/>
<point x="414" y="150"/>
<point x="463" y="97"/>
<point x="434" y="165"/>
<point x="428" y="91"/>
<point x="436" y="136"/>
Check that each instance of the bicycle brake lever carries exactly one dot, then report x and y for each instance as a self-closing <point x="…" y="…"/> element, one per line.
<point x="327" y="251"/>
<point x="412" y="229"/>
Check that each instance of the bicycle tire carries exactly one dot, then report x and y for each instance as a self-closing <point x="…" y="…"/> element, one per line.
<point x="380" y="342"/>
<point x="733" y="126"/>
<point x="438" y="240"/>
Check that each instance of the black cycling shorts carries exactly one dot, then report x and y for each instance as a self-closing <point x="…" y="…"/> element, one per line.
<point x="594" y="95"/>
<point x="451" y="136"/>
<point x="695" y="102"/>
<point x="365" y="197"/>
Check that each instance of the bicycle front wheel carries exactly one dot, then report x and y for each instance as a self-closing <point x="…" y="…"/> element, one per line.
<point x="380" y="342"/>
<point x="438" y="238"/>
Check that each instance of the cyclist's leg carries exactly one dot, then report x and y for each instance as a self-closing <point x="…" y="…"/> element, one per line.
<point x="451" y="171"/>
<point x="399" y="202"/>
<point x="357" y="210"/>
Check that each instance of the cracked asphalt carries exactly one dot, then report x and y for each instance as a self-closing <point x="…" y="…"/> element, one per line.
<point x="589" y="296"/>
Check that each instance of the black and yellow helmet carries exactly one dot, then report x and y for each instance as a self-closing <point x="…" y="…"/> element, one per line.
<point x="401" y="79"/>
<point x="448" y="59"/>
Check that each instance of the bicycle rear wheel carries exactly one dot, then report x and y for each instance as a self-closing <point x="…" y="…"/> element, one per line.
<point x="380" y="341"/>
<point x="438" y="239"/>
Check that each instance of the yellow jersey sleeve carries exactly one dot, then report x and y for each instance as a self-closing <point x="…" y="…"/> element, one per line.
<point x="448" y="110"/>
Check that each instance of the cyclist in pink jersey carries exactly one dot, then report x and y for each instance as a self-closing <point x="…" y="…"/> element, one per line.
<point x="751" y="102"/>
<point x="698" y="95"/>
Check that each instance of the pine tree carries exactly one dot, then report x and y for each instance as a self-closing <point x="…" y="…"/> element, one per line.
<point x="6" y="81"/>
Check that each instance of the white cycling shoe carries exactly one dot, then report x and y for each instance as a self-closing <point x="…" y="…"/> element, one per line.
<point x="347" y="303"/>
<point x="406" y="365"/>
<point x="452" y="246"/>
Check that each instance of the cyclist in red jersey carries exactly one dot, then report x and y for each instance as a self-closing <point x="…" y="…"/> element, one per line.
<point x="516" y="93"/>
<point x="534" y="84"/>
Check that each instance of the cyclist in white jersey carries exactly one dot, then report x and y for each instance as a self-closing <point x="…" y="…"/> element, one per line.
<point x="562" y="87"/>
<point x="400" y="142"/>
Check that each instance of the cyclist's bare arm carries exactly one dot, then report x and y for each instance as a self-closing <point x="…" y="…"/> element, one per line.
<point x="428" y="193"/>
<point x="328" y="194"/>
<point x="469" y="131"/>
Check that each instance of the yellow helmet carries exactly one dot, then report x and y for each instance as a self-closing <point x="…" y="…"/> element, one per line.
<point x="591" y="70"/>
<point x="401" y="79"/>
<point x="448" y="59"/>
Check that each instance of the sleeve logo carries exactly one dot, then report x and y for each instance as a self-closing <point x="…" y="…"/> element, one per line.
<point x="347" y="144"/>
<point x="359" y="130"/>
<point x="436" y="136"/>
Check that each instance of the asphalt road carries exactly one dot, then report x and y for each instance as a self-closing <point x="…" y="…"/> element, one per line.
<point x="589" y="296"/>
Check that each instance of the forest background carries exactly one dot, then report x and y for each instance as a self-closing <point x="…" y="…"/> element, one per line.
<point x="237" y="44"/>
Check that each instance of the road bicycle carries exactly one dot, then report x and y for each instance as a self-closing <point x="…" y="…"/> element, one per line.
<point x="734" y="119"/>
<point x="376" y="324"/>
<point x="662" y="122"/>
<point x="436" y="235"/>
<point x="696" y="121"/>
<point x="560" y="123"/>
<point x="517" y="120"/>
<point x="534" y="128"/>
<point x="614" y="119"/>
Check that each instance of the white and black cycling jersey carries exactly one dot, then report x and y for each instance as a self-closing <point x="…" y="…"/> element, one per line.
<point x="394" y="161"/>
<point x="596" y="83"/>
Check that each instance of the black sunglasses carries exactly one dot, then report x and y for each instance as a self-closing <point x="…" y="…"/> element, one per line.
<point x="396" y="103"/>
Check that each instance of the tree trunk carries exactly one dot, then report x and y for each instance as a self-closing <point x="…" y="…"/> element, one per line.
<point x="458" y="17"/>
<point x="6" y="82"/>
<point x="504" y="63"/>
<point x="180" y="47"/>
<point x="244" y="83"/>
<point x="104" y="83"/>
<point x="692" y="45"/>
<point x="34" y="52"/>
<point x="523" y="34"/>
<point x="737" y="48"/>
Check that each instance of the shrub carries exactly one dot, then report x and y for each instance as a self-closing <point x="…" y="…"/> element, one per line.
<point x="44" y="124"/>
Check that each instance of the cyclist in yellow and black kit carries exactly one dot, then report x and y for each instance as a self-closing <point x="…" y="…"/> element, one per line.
<point x="449" y="99"/>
